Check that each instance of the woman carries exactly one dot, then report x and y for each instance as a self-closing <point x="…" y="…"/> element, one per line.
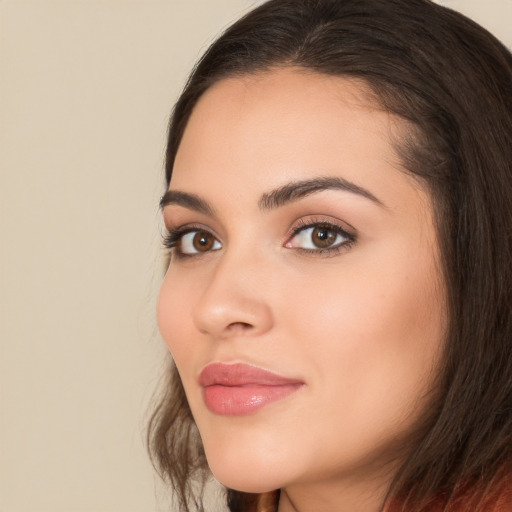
<point x="337" y="301"/>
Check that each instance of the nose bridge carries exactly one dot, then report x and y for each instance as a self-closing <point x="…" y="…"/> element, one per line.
<point x="234" y="302"/>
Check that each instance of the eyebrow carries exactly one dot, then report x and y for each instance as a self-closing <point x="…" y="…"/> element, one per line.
<point x="277" y="198"/>
<point x="297" y="190"/>
<point x="190" y="201"/>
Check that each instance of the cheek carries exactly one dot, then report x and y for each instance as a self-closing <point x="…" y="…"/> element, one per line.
<point x="174" y="313"/>
<point x="372" y="333"/>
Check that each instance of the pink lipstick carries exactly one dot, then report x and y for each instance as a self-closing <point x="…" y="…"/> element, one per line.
<point x="240" y="389"/>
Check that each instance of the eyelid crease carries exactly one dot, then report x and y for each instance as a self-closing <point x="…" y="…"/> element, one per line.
<point x="309" y="221"/>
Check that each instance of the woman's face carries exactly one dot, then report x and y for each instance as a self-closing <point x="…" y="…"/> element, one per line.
<point x="302" y="249"/>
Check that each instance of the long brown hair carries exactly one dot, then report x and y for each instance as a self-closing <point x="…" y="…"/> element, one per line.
<point x="452" y="82"/>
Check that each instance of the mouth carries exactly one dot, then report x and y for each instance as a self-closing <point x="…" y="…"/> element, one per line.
<point x="241" y="389"/>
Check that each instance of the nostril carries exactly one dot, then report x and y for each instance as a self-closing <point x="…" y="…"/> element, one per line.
<point x="224" y="311"/>
<point x="239" y="326"/>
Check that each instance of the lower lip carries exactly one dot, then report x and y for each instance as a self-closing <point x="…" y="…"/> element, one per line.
<point x="242" y="400"/>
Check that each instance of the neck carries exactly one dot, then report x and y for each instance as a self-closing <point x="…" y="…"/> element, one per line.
<point x="334" y="497"/>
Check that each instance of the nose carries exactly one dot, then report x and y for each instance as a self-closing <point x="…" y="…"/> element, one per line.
<point x="233" y="302"/>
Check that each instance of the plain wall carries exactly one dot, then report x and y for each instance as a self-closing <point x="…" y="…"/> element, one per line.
<point x="85" y="92"/>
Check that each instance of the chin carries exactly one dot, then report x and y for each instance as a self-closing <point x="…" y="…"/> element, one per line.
<point x="249" y="481"/>
<point x="245" y="466"/>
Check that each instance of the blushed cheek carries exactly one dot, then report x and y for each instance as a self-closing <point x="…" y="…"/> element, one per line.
<point x="177" y="328"/>
<point x="373" y="323"/>
<point x="169" y="312"/>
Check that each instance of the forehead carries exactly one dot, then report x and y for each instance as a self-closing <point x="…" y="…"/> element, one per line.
<point x="258" y="132"/>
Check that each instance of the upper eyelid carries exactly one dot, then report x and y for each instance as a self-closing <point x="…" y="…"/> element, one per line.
<point x="302" y="223"/>
<point x="183" y="229"/>
<point x="298" y="225"/>
<point x="308" y="221"/>
<point x="175" y="216"/>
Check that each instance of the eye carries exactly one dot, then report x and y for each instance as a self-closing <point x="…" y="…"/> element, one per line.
<point x="319" y="237"/>
<point x="191" y="242"/>
<point x="198" y="241"/>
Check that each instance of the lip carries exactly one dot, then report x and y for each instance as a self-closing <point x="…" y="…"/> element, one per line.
<point x="241" y="389"/>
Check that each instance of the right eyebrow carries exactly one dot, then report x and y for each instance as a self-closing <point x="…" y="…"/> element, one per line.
<point x="190" y="201"/>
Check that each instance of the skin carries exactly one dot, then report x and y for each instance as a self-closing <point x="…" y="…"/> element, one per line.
<point x="361" y="327"/>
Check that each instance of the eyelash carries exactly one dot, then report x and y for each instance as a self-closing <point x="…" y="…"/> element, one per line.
<point x="174" y="237"/>
<point x="303" y="225"/>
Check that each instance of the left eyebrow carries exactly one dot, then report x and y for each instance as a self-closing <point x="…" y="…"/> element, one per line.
<point x="297" y="190"/>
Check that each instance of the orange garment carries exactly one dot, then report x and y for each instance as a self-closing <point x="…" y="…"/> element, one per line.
<point x="496" y="499"/>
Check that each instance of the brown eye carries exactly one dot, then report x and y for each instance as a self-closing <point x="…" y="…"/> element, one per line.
<point x="197" y="242"/>
<point x="320" y="237"/>
<point x="203" y="241"/>
<point x="323" y="236"/>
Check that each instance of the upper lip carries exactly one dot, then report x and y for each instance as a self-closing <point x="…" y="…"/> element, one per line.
<point x="240" y="374"/>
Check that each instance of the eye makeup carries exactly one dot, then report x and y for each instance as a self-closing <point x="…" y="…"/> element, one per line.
<point x="319" y="236"/>
<point x="189" y="241"/>
<point x="316" y="236"/>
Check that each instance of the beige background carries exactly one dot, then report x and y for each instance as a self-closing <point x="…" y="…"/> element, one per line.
<point x="86" y="88"/>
